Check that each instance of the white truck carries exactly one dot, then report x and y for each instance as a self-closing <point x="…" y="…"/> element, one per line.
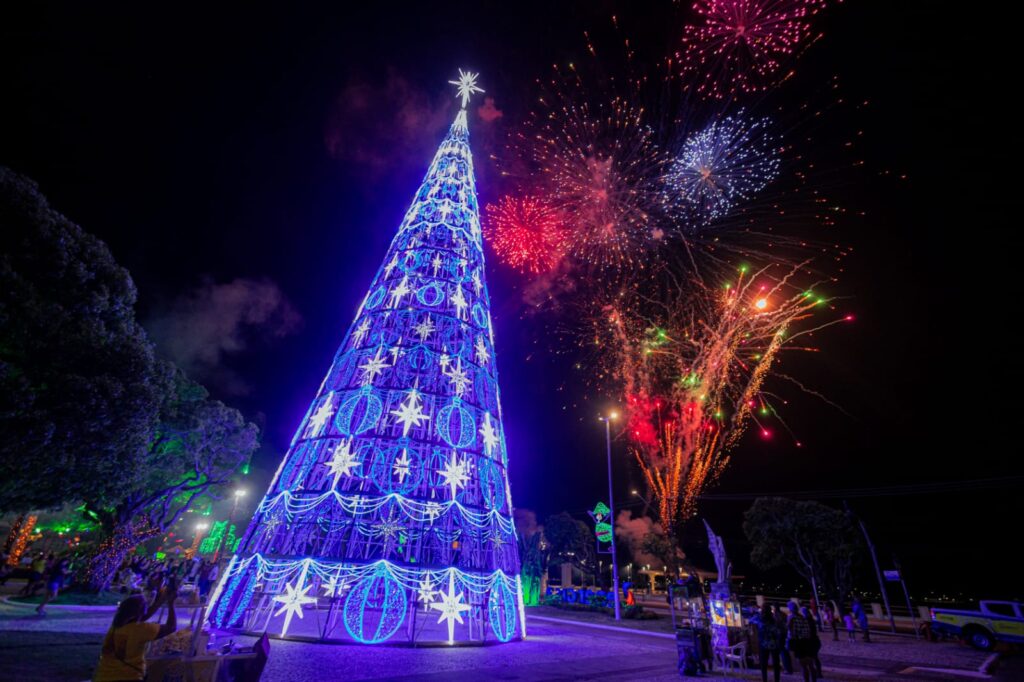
<point x="994" y="621"/>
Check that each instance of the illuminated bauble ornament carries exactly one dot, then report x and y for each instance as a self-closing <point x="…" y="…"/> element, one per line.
<point x="455" y="424"/>
<point x="376" y="298"/>
<point x="501" y="611"/>
<point x="375" y="607"/>
<point x="492" y="484"/>
<point x="359" y="412"/>
<point x="430" y="295"/>
<point x="479" y="316"/>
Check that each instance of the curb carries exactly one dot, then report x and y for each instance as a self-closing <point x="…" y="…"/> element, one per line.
<point x="9" y="599"/>
<point x="598" y="626"/>
<point x="989" y="663"/>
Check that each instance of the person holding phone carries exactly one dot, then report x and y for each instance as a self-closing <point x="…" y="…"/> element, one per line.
<point x="123" y="656"/>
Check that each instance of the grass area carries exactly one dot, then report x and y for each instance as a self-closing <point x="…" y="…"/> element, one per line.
<point x="662" y="624"/>
<point x="76" y="598"/>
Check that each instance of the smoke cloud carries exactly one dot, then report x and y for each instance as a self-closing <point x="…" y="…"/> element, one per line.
<point x="632" y="531"/>
<point x="204" y="327"/>
<point x="487" y="112"/>
<point x="526" y="522"/>
<point x="379" y="127"/>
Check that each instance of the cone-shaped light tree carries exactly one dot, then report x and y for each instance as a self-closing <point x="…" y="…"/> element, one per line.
<point x="390" y="517"/>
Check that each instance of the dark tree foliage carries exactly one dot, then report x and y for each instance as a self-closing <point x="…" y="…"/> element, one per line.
<point x="199" y="446"/>
<point x="87" y="412"/>
<point x="572" y="541"/>
<point x="80" y="388"/>
<point x="665" y="549"/>
<point x="820" y="543"/>
<point x="534" y="557"/>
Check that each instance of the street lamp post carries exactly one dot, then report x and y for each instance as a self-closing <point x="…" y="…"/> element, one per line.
<point x="239" y="494"/>
<point x="878" y="570"/>
<point x="197" y="538"/>
<point x="611" y="510"/>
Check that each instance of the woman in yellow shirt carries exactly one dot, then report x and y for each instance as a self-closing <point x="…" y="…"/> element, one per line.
<point x="123" y="658"/>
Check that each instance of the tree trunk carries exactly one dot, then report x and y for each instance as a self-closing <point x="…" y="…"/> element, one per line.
<point x="808" y="560"/>
<point x="13" y="535"/>
<point x="111" y="553"/>
<point x="817" y="600"/>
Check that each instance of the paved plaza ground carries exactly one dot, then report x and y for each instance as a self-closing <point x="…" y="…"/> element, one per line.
<point x="64" y="645"/>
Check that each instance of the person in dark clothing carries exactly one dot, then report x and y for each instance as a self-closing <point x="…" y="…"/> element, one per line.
<point x="836" y="617"/>
<point x="801" y="643"/>
<point x="54" y="583"/>
<point x="787" y="660"/>
<point x="769" y="642"/>
<point x="5" y="568"/>
<point x="815" y="640"/>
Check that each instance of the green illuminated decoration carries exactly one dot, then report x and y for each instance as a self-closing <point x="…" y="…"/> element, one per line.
<point x="211" y="542"/>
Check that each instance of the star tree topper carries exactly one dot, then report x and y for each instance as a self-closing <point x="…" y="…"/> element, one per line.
<point x="467" y="86"/>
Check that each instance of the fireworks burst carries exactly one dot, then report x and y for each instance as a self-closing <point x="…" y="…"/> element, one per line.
<point x="729" y="161"/>
<point x="525" y="233"/>
<point x="694" y="385"/>
<point x="741" y="45"/>
<point x="598" y="165"/>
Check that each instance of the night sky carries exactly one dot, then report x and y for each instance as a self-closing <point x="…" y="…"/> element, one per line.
<point x="250" y="168"/>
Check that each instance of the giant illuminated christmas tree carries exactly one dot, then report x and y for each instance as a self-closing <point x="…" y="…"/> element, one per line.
<point x="390" y="517"/>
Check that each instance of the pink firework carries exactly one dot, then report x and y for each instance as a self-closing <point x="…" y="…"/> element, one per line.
<point x="524" y="232"/>
<point x="742" y="45"/>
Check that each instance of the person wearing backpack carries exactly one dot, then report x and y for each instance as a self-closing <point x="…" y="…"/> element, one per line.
<point x="801" y="642"/>
<point x="769" y="641"/>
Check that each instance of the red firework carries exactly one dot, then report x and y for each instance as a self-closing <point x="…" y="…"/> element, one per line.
<point x="524" y="232"/>
<point x="741" y="45"/>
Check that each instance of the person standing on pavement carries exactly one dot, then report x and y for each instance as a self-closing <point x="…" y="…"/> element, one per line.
<point x="5" y="569"/>
<point x="815" y="640"/>
<point x="783" y="623"/>
<point x="834" y="617"/>
<point x="769" y="642"/>
<point x="800" y="642"/>
<point x="851" y="628"/>
<point x="862" y="618"/>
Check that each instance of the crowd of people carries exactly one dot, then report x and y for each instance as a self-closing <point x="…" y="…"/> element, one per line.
<point x="45" y="571"/>
<point x="148" y="576"/>
<point x="794" y="634"/>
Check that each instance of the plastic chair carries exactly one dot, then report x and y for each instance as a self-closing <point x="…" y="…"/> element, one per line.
<point x="735" y="655"/>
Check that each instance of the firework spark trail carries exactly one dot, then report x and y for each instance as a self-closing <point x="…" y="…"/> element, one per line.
<point x="727" y="162"/>
<point x="643" y="210"/>
<point x="742" y="46"/>
<point x="692" y="383"/>
<point x="525" y="233"/>
<point x="595" y="160"/>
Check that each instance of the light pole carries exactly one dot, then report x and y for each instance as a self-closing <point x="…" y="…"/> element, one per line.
<point x="611" y="509"/>
<point x="874" y="559"/>
<point x="197" y="538"/>
<point x="239" y="494"/>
